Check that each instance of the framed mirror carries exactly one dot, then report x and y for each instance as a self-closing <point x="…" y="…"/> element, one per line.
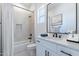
<point x="61" y="18"/>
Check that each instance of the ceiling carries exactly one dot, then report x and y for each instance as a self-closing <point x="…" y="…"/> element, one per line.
<point x="28" y="6"/>
<point x="32" y="6"/>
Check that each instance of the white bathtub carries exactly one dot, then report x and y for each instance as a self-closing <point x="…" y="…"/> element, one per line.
<point x="21" y="49"/>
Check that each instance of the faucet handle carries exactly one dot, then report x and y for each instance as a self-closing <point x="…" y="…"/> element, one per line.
<point x="60" y="36"/>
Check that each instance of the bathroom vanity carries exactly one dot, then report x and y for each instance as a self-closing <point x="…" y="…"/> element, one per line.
<point x="61" y="18"/>
<point x="56" y="47"/>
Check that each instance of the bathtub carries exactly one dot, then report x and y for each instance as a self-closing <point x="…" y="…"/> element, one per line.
<point x="24" y="48"/>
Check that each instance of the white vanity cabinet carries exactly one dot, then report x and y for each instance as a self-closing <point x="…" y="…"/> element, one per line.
<point x="39" y="49"/>
<point x="66" y="51"/>
<point x="47" y="48"/>
<point x="43" y="51"/>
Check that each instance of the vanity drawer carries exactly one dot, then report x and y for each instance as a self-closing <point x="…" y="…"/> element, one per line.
<point x="65" y="51"/>
<point x="58" y="49"/>
<point x="48" y="44"/>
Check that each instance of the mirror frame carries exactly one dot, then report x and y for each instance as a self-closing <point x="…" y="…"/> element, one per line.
<point x="59" y="32"/>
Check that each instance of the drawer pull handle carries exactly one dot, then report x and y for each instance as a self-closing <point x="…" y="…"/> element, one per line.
<point x="38" y="41"/>
<point x="45" y="52"/>
<point x="66" y="53"/>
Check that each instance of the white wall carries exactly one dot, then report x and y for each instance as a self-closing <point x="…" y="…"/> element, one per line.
<point x="7" y="29"/>
<point x="68" y="11"/>
<point x="33" y="25"/>
<point x="40" y="23"/>
<point x="21" y="17"/>
<point x="32" y="22"/>
<point x="0" y="31"/>
<point x="78" y="18"/>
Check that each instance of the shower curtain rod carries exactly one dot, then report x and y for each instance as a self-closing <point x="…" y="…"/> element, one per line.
<point x="22" y="8"/>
